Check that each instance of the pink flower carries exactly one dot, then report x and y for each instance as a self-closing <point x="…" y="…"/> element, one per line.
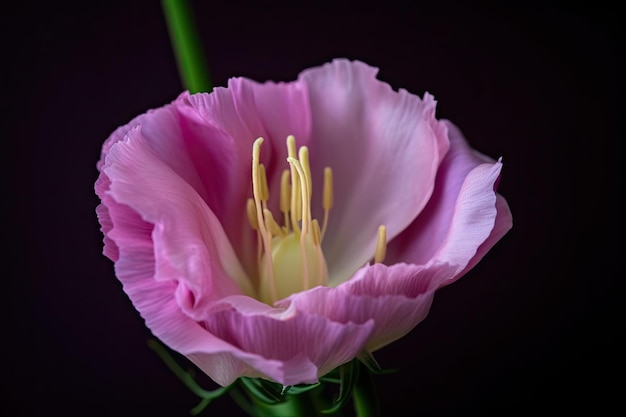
<point x="243" y="284"/>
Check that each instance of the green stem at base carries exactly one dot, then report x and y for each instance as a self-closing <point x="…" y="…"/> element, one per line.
<point x="364" y="395"/>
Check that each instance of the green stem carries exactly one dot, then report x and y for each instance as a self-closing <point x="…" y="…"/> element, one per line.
<point x="186" y="44"/>
<point x="293" y="406"/>
<point x="364" y="395"/>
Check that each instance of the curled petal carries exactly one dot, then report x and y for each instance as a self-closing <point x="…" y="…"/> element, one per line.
<point x="188" y="242"/>
<point x="104" y="218"/>
<point x="463" y="214"/>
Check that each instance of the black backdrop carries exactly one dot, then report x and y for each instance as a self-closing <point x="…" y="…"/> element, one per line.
<point x="534" y="327"/>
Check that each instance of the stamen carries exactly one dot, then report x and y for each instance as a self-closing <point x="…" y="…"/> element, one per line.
<point x="296" y="203"/>
<point x="303" y="156"/>
<point x="327" y="201"/>
<point x="291" y="146"/>
<point x="265" y="192"/>
<point x="285" y="197"/>
<point x="256" y="191"/>
<point x="251" y="211"/>
<point x="254" y="223"/>
<point x="381" y="245"/>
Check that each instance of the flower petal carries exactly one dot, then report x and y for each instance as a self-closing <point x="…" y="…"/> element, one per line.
<point x="395" y="297"/>
<point x="110" y="249"/>
<point x="463" y="213"/>
<point x="308" y="345"/>
<point x="384" y="148"/>
<point x="189" y="244"/>
<point x="503" y="224"/>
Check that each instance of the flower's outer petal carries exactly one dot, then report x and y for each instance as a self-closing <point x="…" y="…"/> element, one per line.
<point x="463" y="219"/>
<point x="189" y="245"/>
<point x="395" y="297"/>
<point x="503" y="224"/>
<point x="309" y="345"/>
<point x="118" y="135"/>
<point x="384" y="148"/>
<point x="110" y="249"/>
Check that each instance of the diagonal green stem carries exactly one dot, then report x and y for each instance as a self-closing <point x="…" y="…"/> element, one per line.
<point x="364" y="395"/>
<point x="186" y="44"/>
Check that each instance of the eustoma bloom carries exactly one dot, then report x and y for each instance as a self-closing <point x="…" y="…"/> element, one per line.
<point x="279" y="230"/>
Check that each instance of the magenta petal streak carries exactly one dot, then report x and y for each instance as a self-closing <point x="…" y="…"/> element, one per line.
<point x="174" y="183"/>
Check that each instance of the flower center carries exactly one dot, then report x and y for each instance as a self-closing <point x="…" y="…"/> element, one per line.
<point x="290" y="257"/>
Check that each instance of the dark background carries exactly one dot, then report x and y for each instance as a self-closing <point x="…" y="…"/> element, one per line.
<point x="534" y="327"/>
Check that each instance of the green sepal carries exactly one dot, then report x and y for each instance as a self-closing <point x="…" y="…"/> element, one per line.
<point x="348" y="374"/>
<point x="372" y="365"/>
<point x="298" y="389"/>
<point x="332" y="377"/>
<point x="265" y="391"/>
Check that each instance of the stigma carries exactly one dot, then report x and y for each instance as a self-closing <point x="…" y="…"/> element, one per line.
<point x="289" y="248"/>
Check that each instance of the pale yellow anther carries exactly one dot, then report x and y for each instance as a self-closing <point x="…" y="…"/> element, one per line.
<point x="271" y="224"/>
<point x="303" y="156"/>
<point x="381" y="245"/>
<point x="285" y="192"/>
<point x="256" y="153"/>
<point x="257" y="187"/>
<point x="291" y="146"/>
<point x="328" y="189"/>
<point x="265" y="192"/>
<point x="252" y="217"/>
